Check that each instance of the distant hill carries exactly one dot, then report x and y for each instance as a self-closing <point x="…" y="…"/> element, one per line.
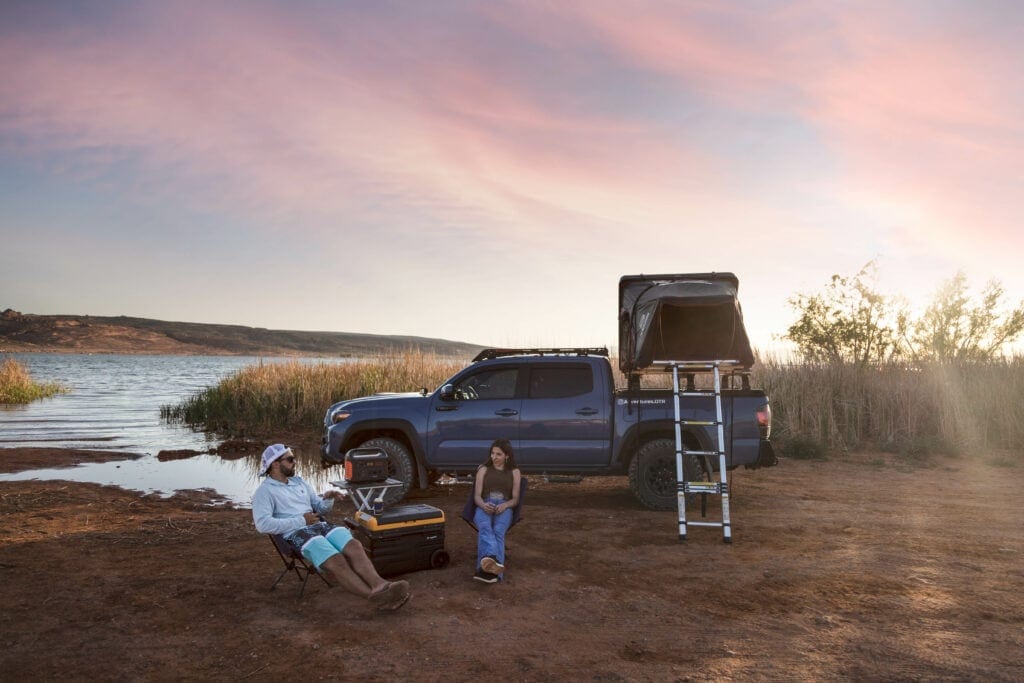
<point x="24" y="332"/>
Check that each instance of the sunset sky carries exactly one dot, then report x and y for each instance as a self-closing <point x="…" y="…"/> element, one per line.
<point x="486" y="171"/>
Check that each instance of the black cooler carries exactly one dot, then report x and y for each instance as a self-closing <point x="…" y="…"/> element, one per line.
<point x="403" y="538"/>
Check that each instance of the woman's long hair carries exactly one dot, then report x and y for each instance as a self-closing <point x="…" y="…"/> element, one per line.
<point x="506" y="448"/>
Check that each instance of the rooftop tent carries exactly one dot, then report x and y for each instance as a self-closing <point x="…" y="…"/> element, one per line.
<point x="680" y="317"/>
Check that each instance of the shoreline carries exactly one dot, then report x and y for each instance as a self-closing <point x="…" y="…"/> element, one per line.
<point x="25" y="458"/>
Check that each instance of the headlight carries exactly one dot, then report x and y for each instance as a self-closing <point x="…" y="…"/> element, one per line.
<point x="339" y="416"/>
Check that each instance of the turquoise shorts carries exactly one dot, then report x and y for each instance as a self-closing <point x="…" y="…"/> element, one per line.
<point x="318" y="542"/>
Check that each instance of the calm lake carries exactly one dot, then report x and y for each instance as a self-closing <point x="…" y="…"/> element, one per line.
<point x="114" y="404"/>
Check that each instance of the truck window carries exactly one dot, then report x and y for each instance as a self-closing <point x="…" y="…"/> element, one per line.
<point x="499" y="383"/>
<point x="561" y="382"/>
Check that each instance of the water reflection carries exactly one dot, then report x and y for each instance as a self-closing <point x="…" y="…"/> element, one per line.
<point x="231" y="480"/>
<point x="114" y="404"/>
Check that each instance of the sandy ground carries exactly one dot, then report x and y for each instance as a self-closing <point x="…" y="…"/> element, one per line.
<point x="860" y="568"/>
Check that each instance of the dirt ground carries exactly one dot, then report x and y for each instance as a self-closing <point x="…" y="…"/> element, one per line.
<point x="856" y="568"/>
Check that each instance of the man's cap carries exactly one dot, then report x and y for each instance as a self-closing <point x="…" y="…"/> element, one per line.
<point x="272" y="453"/>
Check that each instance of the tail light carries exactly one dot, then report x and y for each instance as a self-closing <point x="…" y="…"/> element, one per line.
<point x="764" y="421"/>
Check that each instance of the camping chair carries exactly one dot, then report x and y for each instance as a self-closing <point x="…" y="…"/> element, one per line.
<point x="293" y="562"/>
<point x="470" y="508"/>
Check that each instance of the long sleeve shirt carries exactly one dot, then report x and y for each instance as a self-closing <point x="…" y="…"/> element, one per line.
<point x="278" y="508"/>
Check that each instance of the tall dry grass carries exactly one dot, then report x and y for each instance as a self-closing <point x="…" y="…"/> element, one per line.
<point x="17" y="385"/>
<point x="824" y="407"/>
<point x="913" y="410"/>
<point x="294" y="395"/>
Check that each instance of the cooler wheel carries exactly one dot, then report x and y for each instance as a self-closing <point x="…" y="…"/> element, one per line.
<point x="439" y="559"/>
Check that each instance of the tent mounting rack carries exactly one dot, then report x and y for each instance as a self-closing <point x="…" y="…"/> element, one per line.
<point x="487" y="354"/>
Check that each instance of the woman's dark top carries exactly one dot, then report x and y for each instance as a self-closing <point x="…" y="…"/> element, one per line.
<point x="499" y="481"/>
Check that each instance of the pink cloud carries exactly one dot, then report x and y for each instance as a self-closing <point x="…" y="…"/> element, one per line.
<point x="283" y="112"/>
<point x="926" y="114"/>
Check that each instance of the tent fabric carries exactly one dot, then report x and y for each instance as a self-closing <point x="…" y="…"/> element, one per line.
<point x="680" y="318"/>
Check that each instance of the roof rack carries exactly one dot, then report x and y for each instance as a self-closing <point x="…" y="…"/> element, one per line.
<point x="487" y="354"/>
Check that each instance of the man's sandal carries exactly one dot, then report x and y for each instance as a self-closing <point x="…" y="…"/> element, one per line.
<point x="398" y="594"/>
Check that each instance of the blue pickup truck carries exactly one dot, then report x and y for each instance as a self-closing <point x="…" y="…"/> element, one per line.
<point x="563" y="414"/>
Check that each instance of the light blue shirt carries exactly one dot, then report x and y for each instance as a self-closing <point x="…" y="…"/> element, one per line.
<point x="278" y="508"/>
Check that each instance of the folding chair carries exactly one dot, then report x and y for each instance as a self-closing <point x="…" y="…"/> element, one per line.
<point x="469" y="509"/>
<point x="293" y="562"/>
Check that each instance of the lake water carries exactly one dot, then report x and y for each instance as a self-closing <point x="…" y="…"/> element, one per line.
<point x="114" y="404"/>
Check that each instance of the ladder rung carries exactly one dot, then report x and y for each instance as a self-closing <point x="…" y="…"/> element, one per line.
<point x="702" y="423"/>
<point x="718" y="524"/>
<point x="709" y="487"/>
<point x="707" y="392"/>
<point x="716" y="453"/>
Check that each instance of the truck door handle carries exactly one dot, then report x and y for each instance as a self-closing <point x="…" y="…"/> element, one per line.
<point x="587" y="411"/>
<point x="442" y="409"/>
<point x="506" y="412"/>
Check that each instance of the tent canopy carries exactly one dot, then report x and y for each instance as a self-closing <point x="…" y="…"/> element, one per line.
<point x="693" y="317"/>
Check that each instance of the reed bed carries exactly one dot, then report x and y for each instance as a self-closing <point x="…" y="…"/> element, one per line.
<point x="817" y="408"/>
<point x="294" y="395"/>
<point x="17" y="385"/>
<point x="914" y="410"/>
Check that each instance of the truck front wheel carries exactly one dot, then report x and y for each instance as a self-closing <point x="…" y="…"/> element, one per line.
<point x="652" y="474"/>
<point x="400" y="465"/>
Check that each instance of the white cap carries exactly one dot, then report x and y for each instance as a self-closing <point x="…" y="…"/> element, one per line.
<point x="272" y="453"/>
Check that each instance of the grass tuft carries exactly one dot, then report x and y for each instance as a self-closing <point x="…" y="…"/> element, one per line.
<point x="17" y="385"/>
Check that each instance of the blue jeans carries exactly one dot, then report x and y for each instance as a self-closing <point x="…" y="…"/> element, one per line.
<point x="491" y="537"/>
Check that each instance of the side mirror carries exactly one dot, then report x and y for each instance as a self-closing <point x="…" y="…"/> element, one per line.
<point x="447" y="393"/>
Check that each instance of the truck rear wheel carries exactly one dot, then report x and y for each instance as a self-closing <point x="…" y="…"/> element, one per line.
<point x="400" y="465"/>
<point x="652" y="474"/>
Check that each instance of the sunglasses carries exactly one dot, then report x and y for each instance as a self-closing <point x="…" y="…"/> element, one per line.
<point x="287" y="458"/>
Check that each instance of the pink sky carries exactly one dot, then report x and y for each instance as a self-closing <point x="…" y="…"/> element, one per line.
<point x="487" y="172"/>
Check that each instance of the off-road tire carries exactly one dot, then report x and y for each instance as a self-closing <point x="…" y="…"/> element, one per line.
<point x="652" y="474"/>
<point x="400" y="466"/>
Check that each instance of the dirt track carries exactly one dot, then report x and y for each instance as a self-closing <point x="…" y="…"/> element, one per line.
<point x="859" y="568"/>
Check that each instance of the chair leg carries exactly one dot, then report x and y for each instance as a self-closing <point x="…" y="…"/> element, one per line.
<point x="279" y="577"/>
<point x="304" y="580"/>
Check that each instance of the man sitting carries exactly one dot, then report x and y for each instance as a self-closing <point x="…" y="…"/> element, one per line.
<point x="285" y="504"/>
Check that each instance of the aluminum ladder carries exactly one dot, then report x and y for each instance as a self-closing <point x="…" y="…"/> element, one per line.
<point x="705" y="488"/>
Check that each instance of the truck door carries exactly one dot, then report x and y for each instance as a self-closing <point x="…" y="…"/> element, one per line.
<point x="565" y="418"/>
<point x="483" y="407"/>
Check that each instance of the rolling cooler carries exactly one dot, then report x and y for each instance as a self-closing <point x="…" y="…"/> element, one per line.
<point x="403" y="538"/>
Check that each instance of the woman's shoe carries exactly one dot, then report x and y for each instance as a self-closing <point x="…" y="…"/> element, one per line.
<point x="483" y="576"/>
<point x="491" y="565"/>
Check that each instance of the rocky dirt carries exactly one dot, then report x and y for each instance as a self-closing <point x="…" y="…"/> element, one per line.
<point x="860" y="568"/>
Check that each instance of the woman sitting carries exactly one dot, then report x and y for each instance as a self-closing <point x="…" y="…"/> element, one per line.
<point x="496" y="494"/>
